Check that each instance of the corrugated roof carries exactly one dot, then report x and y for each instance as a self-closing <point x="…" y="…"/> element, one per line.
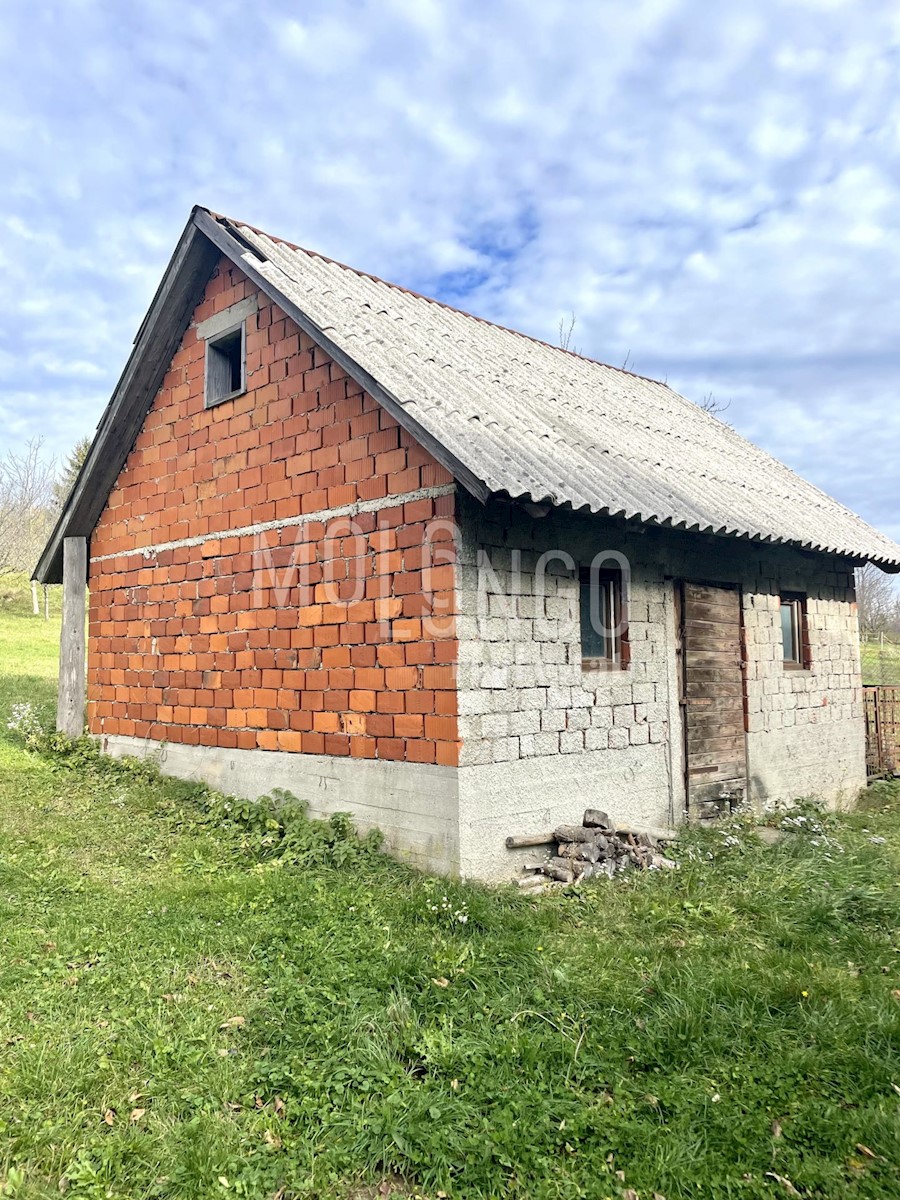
<point x="507" y="414"/>
<point x="535" y="421"/>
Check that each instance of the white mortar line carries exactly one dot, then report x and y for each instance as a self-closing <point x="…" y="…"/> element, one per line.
<point x="324" y="514"/>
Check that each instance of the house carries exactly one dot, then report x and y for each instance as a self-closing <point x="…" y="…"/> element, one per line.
<point x="345" y="540"/>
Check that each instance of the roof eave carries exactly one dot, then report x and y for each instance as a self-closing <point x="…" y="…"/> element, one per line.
<point x="855" y="558"/>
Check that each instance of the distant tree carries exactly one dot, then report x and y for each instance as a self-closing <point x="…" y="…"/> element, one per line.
<point x="714" y="407"/>
<point x="878" y="601"/>
<point x="564" y="334"/>
<point x="69" y="473"/>
<point x="26" y="507"/>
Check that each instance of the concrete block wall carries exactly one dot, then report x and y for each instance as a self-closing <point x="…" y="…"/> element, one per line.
<point x="805" y="729"/>
<point x="542" y="739"/>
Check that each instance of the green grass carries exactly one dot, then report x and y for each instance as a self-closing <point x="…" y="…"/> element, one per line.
<point x="194" y="1003"/>
<point x="880" y="662"/>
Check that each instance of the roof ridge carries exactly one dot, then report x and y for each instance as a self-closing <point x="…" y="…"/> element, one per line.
<point x="431" y="299"/>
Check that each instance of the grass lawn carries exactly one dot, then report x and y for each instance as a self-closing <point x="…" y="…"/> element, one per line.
<point x="880" y="662"/>
<point x="194" y="1003"/>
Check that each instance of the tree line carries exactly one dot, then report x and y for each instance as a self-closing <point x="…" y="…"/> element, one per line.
<point x="878" y="600"/>
<point x="33" y="490"/>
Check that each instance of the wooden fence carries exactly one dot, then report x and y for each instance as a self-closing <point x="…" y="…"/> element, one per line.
<point x="882" y="705"/>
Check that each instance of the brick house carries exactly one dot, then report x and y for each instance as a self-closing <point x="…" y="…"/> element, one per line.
<point x="345" y="540"/>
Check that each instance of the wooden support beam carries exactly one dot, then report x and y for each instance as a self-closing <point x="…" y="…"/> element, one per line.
<point x="70" y="705"/>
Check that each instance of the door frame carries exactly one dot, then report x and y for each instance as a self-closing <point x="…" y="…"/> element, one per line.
<point x="680" y="671"/>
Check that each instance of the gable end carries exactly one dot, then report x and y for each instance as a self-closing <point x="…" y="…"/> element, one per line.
<point x="157" y="340"/>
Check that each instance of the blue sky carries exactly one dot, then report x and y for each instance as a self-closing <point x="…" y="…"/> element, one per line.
<point x="714" y="190"/>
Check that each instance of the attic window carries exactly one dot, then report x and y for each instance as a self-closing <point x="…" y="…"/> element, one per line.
<point x="225" y="367"/>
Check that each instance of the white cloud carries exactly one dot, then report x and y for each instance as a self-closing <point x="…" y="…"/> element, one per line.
<point x="712" y="189"/>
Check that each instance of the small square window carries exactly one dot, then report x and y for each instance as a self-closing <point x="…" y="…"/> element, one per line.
<point x="794" y="638"/>
<point x="225" y="370"/>
<point x="604" y="621"/>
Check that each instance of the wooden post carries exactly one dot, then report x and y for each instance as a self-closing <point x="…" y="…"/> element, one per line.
<point x="70" y="706"/>
<point x="35" y="602"/>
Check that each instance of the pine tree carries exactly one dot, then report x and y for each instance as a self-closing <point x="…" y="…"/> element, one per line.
<point x="69" y="474"/>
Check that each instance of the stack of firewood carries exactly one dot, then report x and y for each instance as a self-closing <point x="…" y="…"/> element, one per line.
<point x="597" y="847"/>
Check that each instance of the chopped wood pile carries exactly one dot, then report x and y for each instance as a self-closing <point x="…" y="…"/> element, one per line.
<point x="596" y="848"/>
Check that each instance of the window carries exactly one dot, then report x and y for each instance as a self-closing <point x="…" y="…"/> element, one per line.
<point x="604" y="621"/>
<point x="225" y="374"/>
<point x="794" y="640"/>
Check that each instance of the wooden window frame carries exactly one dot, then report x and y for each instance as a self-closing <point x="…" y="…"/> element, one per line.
<point x="797" y="602"/>
<point x="209" y="367"/>
<point x="620" y="657"/>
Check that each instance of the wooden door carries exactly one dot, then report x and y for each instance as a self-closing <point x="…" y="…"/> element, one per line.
<point x="712" y="697"/>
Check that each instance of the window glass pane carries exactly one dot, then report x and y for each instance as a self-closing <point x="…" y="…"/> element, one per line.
<point x="789" y="631"/>
<point x="606" y="619"/>
<point x="599" y="618"/>
<point x="593" y="642"/>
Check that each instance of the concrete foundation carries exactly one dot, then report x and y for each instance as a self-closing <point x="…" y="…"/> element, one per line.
<point x="414" y="805"/>
<point x="536" y="794"/>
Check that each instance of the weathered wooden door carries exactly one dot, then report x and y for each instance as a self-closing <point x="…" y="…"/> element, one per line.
<point x="712" y="697"/>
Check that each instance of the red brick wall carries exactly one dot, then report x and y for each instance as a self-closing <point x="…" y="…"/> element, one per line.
<point x="308" y="637"/>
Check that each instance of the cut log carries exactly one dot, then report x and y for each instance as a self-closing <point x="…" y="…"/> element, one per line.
<point x="531" y="883"/>
<point x="596" y="871"/>
<point x="589" y="852"/>
<point x="560" y="875"/>
<point x="662" y="863"/>
<point x="573" y="833"/>
<point x="661" y="835"/>
<point x="518" y="841"/>
<point x="594" y="818"/>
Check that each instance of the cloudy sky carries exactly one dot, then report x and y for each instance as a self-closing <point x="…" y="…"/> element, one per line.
<point x="714" y="190"/>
